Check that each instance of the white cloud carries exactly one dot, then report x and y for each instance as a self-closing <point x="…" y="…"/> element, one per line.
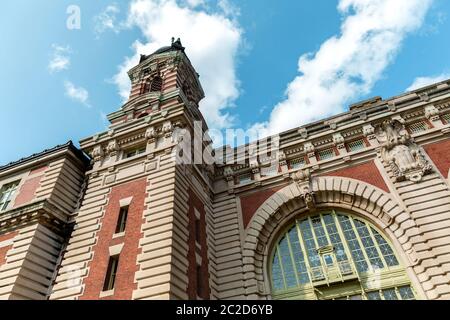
<point x="212" y="40"/>
<point x="420" y="82"/>
<point x="107" y="20"/>
<point x="60" y="58"/>
<point x="348" y="65"/>
<point x="78" y="94"/>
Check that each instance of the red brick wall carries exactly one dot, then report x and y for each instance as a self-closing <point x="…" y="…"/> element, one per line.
<point x="366" y="172"/>
<point x="4" y="250"/>
<point x="251" y="203"/>
<point x="196" y="203"/>
<point x="124" y="284"/>
<point x="439" y="153"/>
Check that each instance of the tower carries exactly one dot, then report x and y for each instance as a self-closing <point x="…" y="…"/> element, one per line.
<point x="141" y="230"/>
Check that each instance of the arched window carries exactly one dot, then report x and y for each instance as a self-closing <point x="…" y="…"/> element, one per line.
<point x="334" y="255"/>
<point x="156" y="84"/>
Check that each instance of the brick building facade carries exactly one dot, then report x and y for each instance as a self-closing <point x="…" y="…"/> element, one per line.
<point x="356" y="206"/>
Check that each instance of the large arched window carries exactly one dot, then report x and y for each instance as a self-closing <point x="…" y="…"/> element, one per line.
<point x="334" y="255"/>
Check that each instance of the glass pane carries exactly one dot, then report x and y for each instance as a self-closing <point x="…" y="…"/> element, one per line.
<point x="375" y="295"/>
<point x="406" y="293"/>
<point x="369" y="245"/>
<point x="353" y="244"/>
<point x="298" y="256"/>
<point x="277" y="276"/>
<point x="389" y="294"/>
<point x="286" y="261"/>
<point x="385" y="249"/>
<point x="335" y="239"/>
<point x="310" y="245"/>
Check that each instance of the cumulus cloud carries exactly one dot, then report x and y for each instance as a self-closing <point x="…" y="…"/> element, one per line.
<point x="78" y="94"/>
<point x="107" y="20"/>
<point x="347" y="65"/>
<point x="60" y="58"/>
<point x="420" y="82"/>
<point x="211" y="37"/>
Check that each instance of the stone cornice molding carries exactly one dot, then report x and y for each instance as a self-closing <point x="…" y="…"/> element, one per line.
<point x="43" y="211"/>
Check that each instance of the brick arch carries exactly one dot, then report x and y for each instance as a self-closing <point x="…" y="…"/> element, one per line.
<point x="364" y="199"/>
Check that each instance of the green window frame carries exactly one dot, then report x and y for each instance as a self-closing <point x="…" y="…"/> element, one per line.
<point x="6" y="194"/>
<point x="340" y="252"/>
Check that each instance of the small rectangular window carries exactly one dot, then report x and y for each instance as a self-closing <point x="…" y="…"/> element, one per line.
<point x="356" y="145"/>
<point x="199" y="281"/>
<point x="122" y="221"/>
<point x="297" y="163"/>
<point x="245" y="178"/>
<point x="197" y="230"/>
<point x="135" y="152"/>
<point x="418" y="127"/>
<point x="6" y="194"/>
<point x="446" y="117"/>
<point x="111" y="273"/>
<point x="325" y="154"/>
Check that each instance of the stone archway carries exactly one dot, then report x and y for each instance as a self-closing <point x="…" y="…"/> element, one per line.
<point x="307" y="195"/>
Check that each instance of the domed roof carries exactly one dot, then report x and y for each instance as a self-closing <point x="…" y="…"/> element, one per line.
<point x="176" y="46"/>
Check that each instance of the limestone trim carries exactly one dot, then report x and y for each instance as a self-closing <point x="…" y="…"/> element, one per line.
<point x="366" y="200"/>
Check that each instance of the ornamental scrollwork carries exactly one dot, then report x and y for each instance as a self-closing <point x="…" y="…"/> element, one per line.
<point x="302" y="179"/>
<point x="400" y="153"/>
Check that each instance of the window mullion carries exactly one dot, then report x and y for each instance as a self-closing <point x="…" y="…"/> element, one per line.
<point x="305" y="253"/>
<point x="291" y="253"/>
<point x="363" y="248"/>
<point x="344" y="240"/>
<point x="282" y="267"/>
<point x="375" y="242"/>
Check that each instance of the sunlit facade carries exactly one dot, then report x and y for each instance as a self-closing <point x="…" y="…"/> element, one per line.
<point x="356" y="206"/>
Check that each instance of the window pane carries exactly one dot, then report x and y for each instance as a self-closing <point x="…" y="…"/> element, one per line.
<point x="389" y="294"/>
<point x="406" y="293"/>
<point x="375" y="295"/>
<point x="355" y="248"/>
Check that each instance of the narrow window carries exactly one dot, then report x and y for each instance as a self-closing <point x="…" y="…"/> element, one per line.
<point x="6" y="194"/>
<point x="199" y="281"/>
<point x="122" y="221"/>
<point x="110" y="278"/>
<point x="197" y="230"/>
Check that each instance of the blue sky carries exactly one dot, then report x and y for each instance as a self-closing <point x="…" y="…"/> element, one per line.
<point x="247" y="54"/>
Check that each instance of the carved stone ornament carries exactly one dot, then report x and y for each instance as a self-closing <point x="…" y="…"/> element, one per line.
<point x="399" y="151"/>
<point x="151" y="134"/>
<point x="228" y="173"/>
<point x="254" y="165"/>
<point x="167" y="129"/>
<point x="97" y="153"/>
<point x="112" y="148"/>
<point x="302" y="178"/>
